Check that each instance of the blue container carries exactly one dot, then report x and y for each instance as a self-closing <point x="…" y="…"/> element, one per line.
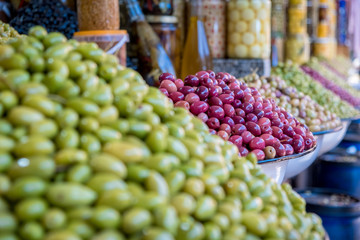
<point x="338" y="172"/>
<point x="339" y="212"/>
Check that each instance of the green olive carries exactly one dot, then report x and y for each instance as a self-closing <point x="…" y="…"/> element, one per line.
<point x="32" y="231"/>
<point x="54" y="218"/>
<point x="105" y="217"/>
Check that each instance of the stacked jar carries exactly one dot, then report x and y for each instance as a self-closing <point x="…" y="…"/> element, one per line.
<point x="249" y="33"/>
<point x="278" y="31"/>
<point x="297" y="45"/>
<point x="325" y="44"/>
<point x="214" y="21"/>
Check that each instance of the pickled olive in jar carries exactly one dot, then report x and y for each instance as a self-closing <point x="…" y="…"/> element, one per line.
<point x="248" y="29"/>
<point x="297" y="15"/>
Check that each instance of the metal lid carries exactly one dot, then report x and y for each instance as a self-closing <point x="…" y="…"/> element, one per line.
<point x="161" y="19"/>
<point x="330" y="202"/>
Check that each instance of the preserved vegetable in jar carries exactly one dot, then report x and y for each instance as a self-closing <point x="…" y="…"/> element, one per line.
<point x="297" y="48"/>
<point x="249" y="29"/>
<point x="98" y="14"/>
<point x="158" y="7"/>
<point x="278" y="18"/>
<point x="298" y="3"/>
<point x="297" y="16"/>
<point x="214" y="20"/>
<point x="165" y="28"/>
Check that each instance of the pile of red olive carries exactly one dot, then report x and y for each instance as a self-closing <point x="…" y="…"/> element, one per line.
<point x="239" y="114"/>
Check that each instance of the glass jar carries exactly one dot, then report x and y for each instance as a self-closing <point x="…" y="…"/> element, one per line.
<point x="179" y="13"/>
<point x="297" y="48"/>
<point x="214" y="20"/>
<point x="297" y="15"/>
<point x="301" y="3"/>
<point x="325" y="48"/>
<point x="158" y="7"/>
<point x="278" y="18"/>
<point x="113" y="42"/>
<point x="249" y="29"/>
<point x="323" y="27"/>
<point x="332" y="18"/>
<point x="165" y="27"/>
<point x="98" y="15"/>
<point x="196" y="53"/>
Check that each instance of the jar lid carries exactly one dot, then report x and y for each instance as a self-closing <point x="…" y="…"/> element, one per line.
<point x="101" y="32"/>
<point x="161" y="19"/>
<point x="325" y="40"/>
<point x="102" y="36"/>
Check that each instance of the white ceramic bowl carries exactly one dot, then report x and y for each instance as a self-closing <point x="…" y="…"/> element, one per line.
<point x="299" y="164"/>
<point x="277" y="168"/>
<point x="333" y="137"/>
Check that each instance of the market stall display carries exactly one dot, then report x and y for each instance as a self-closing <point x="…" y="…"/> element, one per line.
<point x="107" y="156"/>
<point x="51" y="14"/>
<point x="239" y="113"/>
<point x="300" y="105"/>
<point x="294" y="76"/>
<point x="328" y="84"/>
<point x="341" y="65"/>
<point x="335" y="83"/>
<point x="249" y="31"/>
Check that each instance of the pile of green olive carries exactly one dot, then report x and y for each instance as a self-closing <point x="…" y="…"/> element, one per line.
<point x="7" y="32"/>
<point x="295" y="77"/>
<point x="300" y="105"/>
<point x="89" y="151"/>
